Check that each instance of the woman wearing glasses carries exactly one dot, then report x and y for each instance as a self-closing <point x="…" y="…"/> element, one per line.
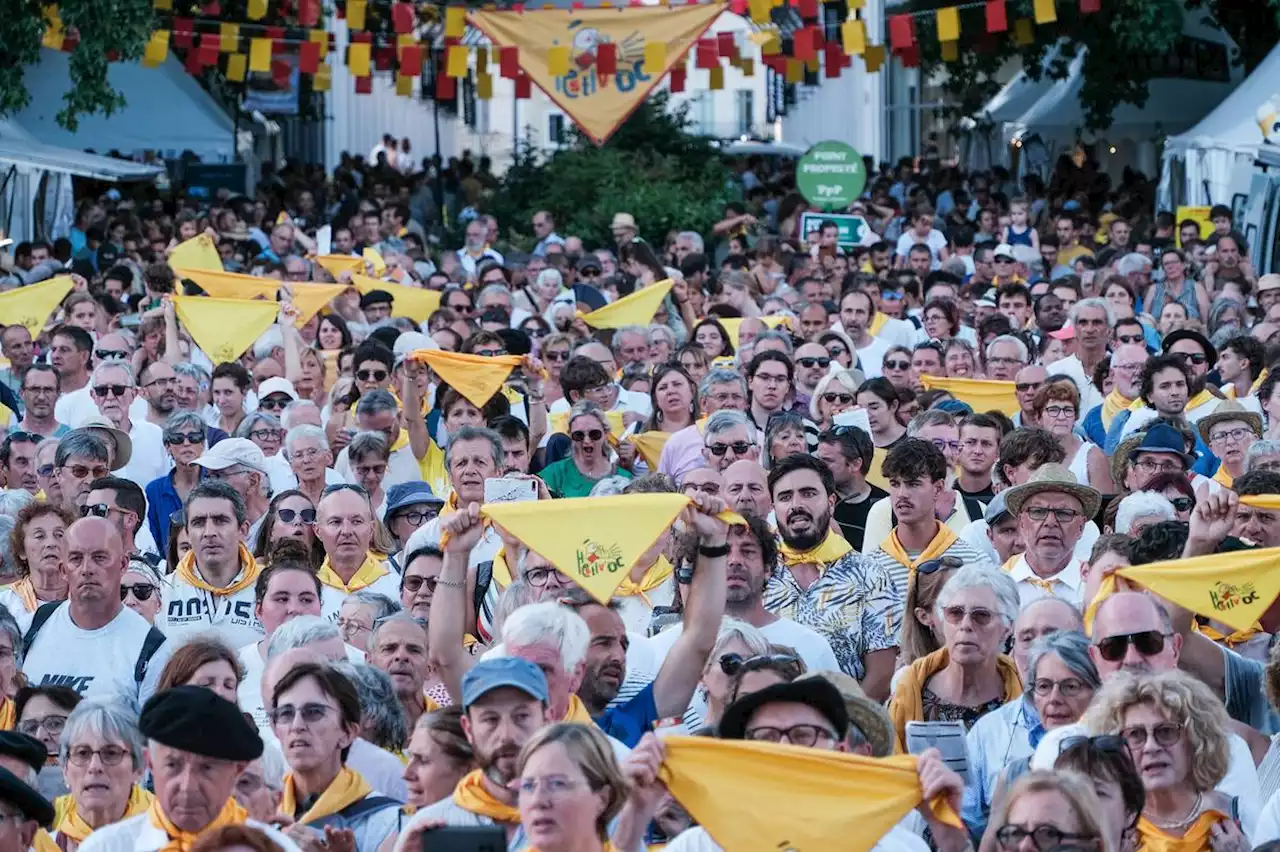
<point x="834" y="393"/>
<point x="590" y="457"/>
<point x="39" y="548"/>
<point x="1176" y="731"/>
<point x="41" y="712"/>
<point x="102" y="761"/>
<point x="967" y="677"/>
<point x="140" y="588"/>
<point x="570" y="789"/>
<point x="1105" y="761"/>
<point x="1056" y="407"/>
<point x="554" y="352"/>
<point x="1049" y="812"/>
<point x="291" y="515"/>
<point x="315" y="714"/>
<point x="184" y="436"/>
<point x="736" y="641"/>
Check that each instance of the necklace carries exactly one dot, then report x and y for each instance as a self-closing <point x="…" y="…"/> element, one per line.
<point x="1191" y="814"/>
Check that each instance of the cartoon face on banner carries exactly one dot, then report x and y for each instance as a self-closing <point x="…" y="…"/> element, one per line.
<point x="584" y="79"/>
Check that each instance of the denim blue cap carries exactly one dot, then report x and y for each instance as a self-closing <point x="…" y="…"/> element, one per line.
<point x="488" y="675"/>
<point x="404" y="494"/>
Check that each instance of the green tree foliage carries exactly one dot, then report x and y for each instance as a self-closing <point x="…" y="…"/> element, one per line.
<point x="652" y="168"/>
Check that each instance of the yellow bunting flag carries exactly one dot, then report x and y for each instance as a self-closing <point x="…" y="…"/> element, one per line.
<point x="560" y="423"/>
<point x="157" y="50"/>
<point x="873" y="56"/>
<point x="163" y="5"/>
<point x="733" y="325"/>
<point x="404" y="85"/>
<point x="356" y="10"/>
<point x="358" y="58"/>
<point x="477" y="377"/>
<point x="655" y="54"/>
<point x="455" y="22"/>
<point x="457" y="62"/>
<point x="310" y="298"/>
<point x="374" y="257"/>
<point x="950" y="51"/>
<point x="649" y="445"/>
<point x="564" y="65"/>
<point x="257" y="9"/>
<point x="336" y="264"/>
<point x="416" y="303"/>
<point x="715" y="78"/>
<point x="482" y="59"/>
<point x="231" y="285"/>
<point x="228" y="37"/>
<point x="1234" y="588"/>
<point x="322" y="78"/>
<point x="1046" y="11"/>
<point x="755" y="796"/>
<point x="260" y="54"/>
<point x="321" y="38"/>
<point x="484" y="86"/>
<point x="979" y="394"/>
<point x="237" y="67"/>
<point x="225" y="328"/>
<point x="761" y="11"/>
<point x="795" y="71"/>
<point x="595" y="541"/>
<point x="199" y="252"/>
<point x="635" y="309"/>
<point x="31" y="306"/>
<point x="854" y="34"/>
<point x="1023" y="32"/>
<point x="948" y="24"/>
<point x="747" y="67"/>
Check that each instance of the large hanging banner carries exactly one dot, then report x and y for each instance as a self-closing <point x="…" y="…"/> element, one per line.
<point x="587" y="87"/>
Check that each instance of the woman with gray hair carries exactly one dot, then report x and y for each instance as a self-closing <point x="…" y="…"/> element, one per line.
<point x="101" y="756"/>
<point x="382" y="719"/>
<point x="262" y="429"/>
<point x="368" y="455"/>
<point x="967" y="677"/>
<point x="185" y="437"/>
<point x="590" y="458"/>
<point x="783" y="435"/>
<point x="737" y="641"/>
<point x="8" y="565"/>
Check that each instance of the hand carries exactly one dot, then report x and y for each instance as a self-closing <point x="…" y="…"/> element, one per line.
<point x="629" y="417"/>
<point x="1212" y="520"/>
<point x="78" y="282"/>
<point x="937" y="779"/>
<point x="339" y="839"/>
<point x="1226" y="836"/>
<point x="168" y="307"/>
<point x="626" y="454"/>
<point x="534" y="375"/>
<point x="680" y="291"/>
<point x="306" y="838"/>
<point x="465" y="528"/>
<point x="544" y="493"/>
<point x="702" y="516"/>
<point x="642" y="767"/>
<point x="289" y="313"/>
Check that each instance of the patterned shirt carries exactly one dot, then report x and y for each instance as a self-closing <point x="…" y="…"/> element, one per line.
<point x="960" y="549"/>
<point x="854" y="604"/>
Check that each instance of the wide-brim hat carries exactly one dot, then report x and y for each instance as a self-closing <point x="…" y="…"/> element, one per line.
<point x="1053" y="478"/>
<point x="623" y="221"/>
<point x="1229" y="409"/>
<point x="1163" y="438"/>
<point x="866" y="715"/>
<point x="121" y="439"/>
<point x="1210" y="350"/>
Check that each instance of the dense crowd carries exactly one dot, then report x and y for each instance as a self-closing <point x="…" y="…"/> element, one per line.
<point x="260" y="604"/>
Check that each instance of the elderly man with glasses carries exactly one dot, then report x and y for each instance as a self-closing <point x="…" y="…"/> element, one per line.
<point x="240" y="463"/>
<point x="1052" y="509"/>
<point x="113" y="390"/>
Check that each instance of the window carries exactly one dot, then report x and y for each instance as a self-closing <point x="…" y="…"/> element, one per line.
<point x="746" y="111"/>
<point x="555" y="129"/>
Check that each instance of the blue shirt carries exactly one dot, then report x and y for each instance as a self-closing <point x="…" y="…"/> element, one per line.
<point x="628" y="723"/>
<point x="1009" y="733"/>
<point x="162" y="501"/>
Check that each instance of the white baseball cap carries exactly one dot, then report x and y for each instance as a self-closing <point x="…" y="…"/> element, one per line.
<point x="276" y="384"/>
<point x="233" y="451"/>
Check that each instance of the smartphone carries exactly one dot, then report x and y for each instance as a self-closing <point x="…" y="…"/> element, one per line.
<point x="509" y="489"/>
<point x="478" y="838"/>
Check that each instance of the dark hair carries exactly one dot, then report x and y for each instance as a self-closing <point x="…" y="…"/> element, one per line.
<point x="1155" y="365"/>
<point x="1257" y="482"/>
<point x="1117" y="543"/>
<point x="233" y="371"/>
<point x="448" y="396"/>
<point x="912" y="458"/>
<point x="760" y="359"/>
<point x="213" y="489"/>
<point x="129" y="495"/>
<point x="64" y="697"/>
<point x="428" y="550"/>
<point x="1159" y="542"/>
<point x="1013" y="291"/>
<point x="40" y="367"/>
<point x="724" y="335"/>
<point x="1248" y="347"/>
<point x="659" y="373"/>
<point x="510" y="428"/>
<point x="6" y="446"/>
<point x="286" y="555"/>
<point x="1024" y="445"/>
<point x="332" y="683"/>
<point x="340" y="324"/>
<point x="372" y="350"/>
<point x="979" y="420"/>
<point x="1084" y="755"/>
<point x="853" y="443"/>
<point x="193" y="653"/>
<point x="580" y="373"/>
<point x="949" y="309"/>
<point x="234" y="836"/>
<point x="80" y="338"/>
<point x="268" y="553"/>
<point x="799" y="461"/>
<point x="1170" y="479"/>
<point x="882" y="388"/>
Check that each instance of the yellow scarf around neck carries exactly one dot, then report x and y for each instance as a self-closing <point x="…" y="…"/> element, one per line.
<point x="1229" y="390"/>
<point x="907" y="703"/>
<point x="1113" y="405"/>
<point x="1152" y="839"/>
<point x="8" y="715"/>
<point x="501" y="571"/>
<point x="248" y="574"/>
<point x="657" y="575"/>
<point x="577" y="712"/>
<point x="370" y="571"/>
<point x="346" y="789"/>
<point x="471" y="796"/>
<point x="832" y="548"/>
<point x="26" y="592"/>
<point x="1198" y="400"/>
<point x="181" y="841"/>
<point x="1238" y="637"/>
<point x="942" y="539"/>
<point x="1223" y="476"/>
<point x="67" y="820"/>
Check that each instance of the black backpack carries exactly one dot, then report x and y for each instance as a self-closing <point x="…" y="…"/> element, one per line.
<point x="149" y="645"/>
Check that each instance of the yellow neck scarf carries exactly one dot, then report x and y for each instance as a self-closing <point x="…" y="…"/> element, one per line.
<point x="942" y="539"/>
<point x="181" y="841"/>
<point x="1108" y="587"/>
<point x="26" y="592"/>
<point x="7" y="715"/>
<point x="369" y="572"/>
<point x="501" y="572"/>
<point x="248" y="574"/>
<point x="831" y="549"/>
<point x="450" y="506"/>
<point x="471" y="795"/>
<point x="42" y="842"/>
<point x="1113" y="405"/>
<point x="349" y="787"/>
<point x="67" y="820"/>
<point x="1231" y="640"/>
<point x="1199" y="400"/>
<point x="577" y="712"/>
<point x="753" y="795"/>
<point x="1223" y="476"/>
<point x="1152" y="839"/>
<point x="907" y="703"/>
<point x="1229" y="391"/>
<point x="657" y="574"/>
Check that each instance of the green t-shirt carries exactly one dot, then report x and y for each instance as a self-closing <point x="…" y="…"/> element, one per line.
<point x="565" y="480"/>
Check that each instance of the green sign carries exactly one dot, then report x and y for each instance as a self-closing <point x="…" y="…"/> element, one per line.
<point x="831" y="175"/>
<point x="851" y="227"/>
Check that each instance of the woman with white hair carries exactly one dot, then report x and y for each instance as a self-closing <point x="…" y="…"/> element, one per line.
<point x="1142" y="509"/>
<point x="538" y="294"/>
<point x="967" y="677"/>
<point x="102" y="761"/>
<point x="736" y="642"/>
<point x="834" y="393"/>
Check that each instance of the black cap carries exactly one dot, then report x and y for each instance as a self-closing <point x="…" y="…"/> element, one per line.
<point x="590" y="261"/>
<point x="376" y="297"/>
<point x="26" y="748"/>
<point x="1210" y="350"/>
<point x="816" y="692"/>
<point x="25" y="798"/>
<point x="195" y="719"/>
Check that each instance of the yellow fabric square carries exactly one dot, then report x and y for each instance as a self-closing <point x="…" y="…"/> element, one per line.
<point x="260" y="54"/>
<point x="558" y="61"/>
<point x="456" y="64"/>
<point x="853" y="33"/>
<point x="655" y="57"/>
<point x="358" y="59"/>
<point x="1046" y="11"/>
<point x="948" y="24"/>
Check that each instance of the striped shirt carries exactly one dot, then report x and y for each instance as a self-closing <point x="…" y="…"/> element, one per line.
<point x="960" y="549"/>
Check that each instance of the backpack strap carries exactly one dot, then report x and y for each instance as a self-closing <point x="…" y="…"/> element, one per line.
<point x="484" y="576"/>
<point x="42" y="614"/>
<point x="355" y="812"/>
<point x="149" y="647"/>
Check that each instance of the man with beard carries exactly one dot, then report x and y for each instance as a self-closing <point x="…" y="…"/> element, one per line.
<point x="1164" y="388"/>
<point x="857" y="313"/>
<point x="160" y="390"/>
<point x="822" y="583"/>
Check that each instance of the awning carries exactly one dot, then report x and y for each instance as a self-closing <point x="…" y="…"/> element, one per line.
<point x="20" y="152"/>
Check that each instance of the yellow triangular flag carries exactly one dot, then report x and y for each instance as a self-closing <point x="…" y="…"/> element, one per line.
<point x="416" y="303"/>
<point x="948" y="24"/>
<point x="979" y="394"/>
<point x="595" y="541"/>
<point x="733" y="325"/>
<point x="655" y="54"/>
<point x="649" y="445"/>
<point x="231" y="285"/>
<point x="260" y="54"/>
<point x="635" y="309"/>
<point x="199" y="252"/>
<point x="560" y="423"/>
<point x="31" y="306"/>
<point x="1046" y="11"/>
<point x="336" y="264"/>
<point x="1234" y="588"/>
<point x="310" y="298"/>
<point x="225" y="328"/>
<point x="477" y="377"/>
<point x="374" y="257"/>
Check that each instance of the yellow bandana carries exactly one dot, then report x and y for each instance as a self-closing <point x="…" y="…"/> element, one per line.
<point x="349" y="787"/>
<point x="1232" y="588"/>
<point x="26" y="592"/>
<point x="1238" y="637"/>
<point x="942" y="539"/>
<point x="655" y="577"/>
<point x="370" y="571"/>
<point x="907" y="703"/>
<point x="471" y="796"/>
<point x="1223" y="476"/>
<point x="1152" y="839"/>
<point x="248" y="574"/>
<point x="577" y="712"/>
<point x="67" y="818"/>
<point x="1199" y="399"/>
<point x="1108" y="587"/>
<point x="831" y="549"/>
<point x="501" y="572"/>
<point x="181" y="841"/>
<point x="1113" y="405"/>
<point x="1229" y="391"/>
<point x="8" y="716"/>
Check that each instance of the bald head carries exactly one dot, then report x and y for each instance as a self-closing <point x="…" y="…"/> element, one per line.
<point x="113" y="342"/>
<point x="1040" y="618"/>
<point x="96" y="561"/>
<point x="746" y="488"/>
<point x="1121" y="629"/>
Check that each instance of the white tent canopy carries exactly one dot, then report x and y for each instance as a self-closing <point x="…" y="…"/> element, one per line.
<point x="165" y="111"/>
<point x="1225" y="139"/>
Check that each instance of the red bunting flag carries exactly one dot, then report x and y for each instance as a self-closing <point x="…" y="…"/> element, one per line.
<point x="606" y="59"/>
<point x="308" y="57"/>
<point x="737" y="7"/>
<point x="446" y="86"/>
<point x="726" y="45"/>
<point x="677" y="79"/>
<point x="1088" y="7"/>
<point x="280" y="70"/>
<point x="364" y="85"/>
<point x="901" y="32"/>
<point x="509" y="62"/>
<point x="308" y="12"/>
<point x="402" y="17"/>
<point x="706" y="53"/>
<point x="182" y="31"/>
<point x="209" y="48"/>
<point x="411" y="60"/>
<point x="802" y="44"/>
<point x="524" y="87"/>
<point x="910" y="56"/>
<point x="808" y="9"/>
<point x="997" y="17"/>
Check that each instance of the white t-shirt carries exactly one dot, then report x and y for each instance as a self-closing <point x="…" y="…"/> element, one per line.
<point x="872" y="357"/>
<point x="138" y="833"/>
<point x="9" y="600"/>
<point x="935" y="241"/>
<point x="186" y="610"/>
<point x="148" y="460"/>
<point x="75" y="407"/>
<point x="331" y="599"/>
<point x="98" y="662"/>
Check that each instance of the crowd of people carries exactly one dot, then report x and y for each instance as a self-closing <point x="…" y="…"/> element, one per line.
<point x="259" y="604"/>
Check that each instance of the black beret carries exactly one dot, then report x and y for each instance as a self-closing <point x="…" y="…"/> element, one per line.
<point x="26" y="748"/>
<point x="376" y="297"/>
<point x="195" y="719"/>
<point x="25" y="798"/>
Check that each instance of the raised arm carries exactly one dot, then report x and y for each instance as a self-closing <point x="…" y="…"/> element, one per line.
<point x="446" y="626"/>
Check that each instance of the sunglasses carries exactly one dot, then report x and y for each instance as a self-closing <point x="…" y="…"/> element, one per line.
<point x="178" y="438"/>
<point x="490" y="353"/>
<point x="295" y="516"/>
<point x="413" y="584"/>
<point x="1192" y="357"/>
<point x="893" y="295"/>
<point x="371" y="375"/>
<point x="731" y="664"/>
<point x="810" y="363"/>
<point x="1024" y="387"/>
<point x="578" y="436"/>
<point x="1148" y="643"/>
<point x="932" y="566"/>
<point x="1182" y="504"/>
<point x="897" y="365"/>
<point x="113" y="390"/>
<point x="141" y="591"/>
<point x="80" y="471"/>
<point x="279" y="404"/>
<point x="96" y="510"/>
<point x="980" y="616"/>
<point x="1165" y="734"/>
<point x="1103" y="742"/>
<point x="108" y="354"/>
<point x="842" y="398"/>
<point x="556" y="357"/>
<point x="739" y="448"/>
<point x="1130" y="338"/>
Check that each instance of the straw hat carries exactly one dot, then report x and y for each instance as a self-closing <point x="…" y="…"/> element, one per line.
<point x="1053" y="478"/>
<point x="1229" y="409"/>
<point x="108" y="431"/>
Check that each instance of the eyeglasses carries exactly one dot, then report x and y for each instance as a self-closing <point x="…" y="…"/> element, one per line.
<point x="538" y="577"/>
<point x="945" y="445"/>
<point x="554" y="786"/>
<point x="110" y="755"/>
<point x="556" y="357"/>
<point x="1024" y="387"/>
<point x="349" y="627"/>
<point x="830" y="398"/>
<point x="279" y="404"/>
<point x="578" y="435"/>
<point x="980" y="616"/>
<point x="112" y="390"/>
<point x="1165" y="734"/>
<point x="167" y="381"/>
<point x="800" y="735"/>
<point x="1062" y="516"/>
<point x="897" y="365"/>
<point x="1150" y="465"/>
<point x="371" y="375"/>
<point x="310" y="713"/>
<point x="1043" y="837"/>
<point x="176" y="439"/>
<point x="1233" y="435"/>
<point x="39" y="391"/>
<point x="52" y="724"/>
<point x="1182" y="504"/>
<point x="266" y="434"/>
<point x="414" y="583"/>
<point x="1148" y="643"/>
<point x="45" y="470"/>
<point x="1102" y="742"/>
<point x="1196" y="358"/>
<point x="305" y="455"/>
<point x="731" y="664"/>
<point x="415" y="517"/>
<point x="934" y="565"/>
<point x="81" y="471"/>
<point x="810" y="363"/>
<point x="1063" y="411"/>
<point x="296" y="516"/>
<point x="490" y="353"/>
<point x="108" y="354"/>
<point x="1136" y="339"/>
<point x="739" y="448"/>
<point x="836" y="351"/>
<point x="1069" y="687"/>
<point x="141" y="591"/>
<point x="97" y="510"/>
<point x="343" y="486"/>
